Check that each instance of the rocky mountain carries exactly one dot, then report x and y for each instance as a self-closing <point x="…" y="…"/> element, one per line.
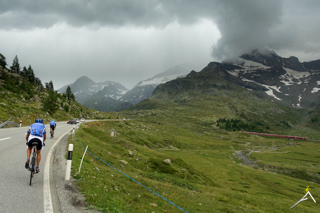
<point x="145" y="88"/>
<point x="102" y="96"/>
<point x="285" y="80"/>
<point x="112" y="96"/>
<point x="266" y="74"/>
<point x="263" y="74"/>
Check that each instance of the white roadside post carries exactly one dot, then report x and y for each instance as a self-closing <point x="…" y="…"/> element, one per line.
<point x="69" y="161"/>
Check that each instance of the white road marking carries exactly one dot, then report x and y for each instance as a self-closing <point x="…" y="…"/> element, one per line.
<point x="46" y="177"/>
<point x="2" y="139"/>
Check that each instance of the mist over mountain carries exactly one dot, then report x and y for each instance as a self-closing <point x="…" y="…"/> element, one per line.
<point x="145" y="88"/>
<point x="103" y="96"/>
<point x="112" y="96"/>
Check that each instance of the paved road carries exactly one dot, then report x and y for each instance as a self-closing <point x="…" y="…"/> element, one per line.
<point x="16" y="195"/>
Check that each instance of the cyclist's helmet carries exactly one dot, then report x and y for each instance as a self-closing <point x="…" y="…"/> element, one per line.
<point x="39" y="120"/>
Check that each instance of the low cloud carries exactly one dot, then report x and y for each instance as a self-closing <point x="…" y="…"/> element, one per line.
<point x="143" y="37"/>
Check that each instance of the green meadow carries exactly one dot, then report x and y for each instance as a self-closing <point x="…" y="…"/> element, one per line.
<point x="157" y="163"/>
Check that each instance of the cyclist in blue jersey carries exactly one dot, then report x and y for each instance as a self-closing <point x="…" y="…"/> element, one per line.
<point x="52" y="127"/>
<point x="36" y="135"/>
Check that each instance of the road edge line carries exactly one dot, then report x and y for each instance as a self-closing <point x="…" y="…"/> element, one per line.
<point x="48" y="208"/>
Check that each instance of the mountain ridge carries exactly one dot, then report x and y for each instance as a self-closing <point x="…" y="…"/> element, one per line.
<point x="234" y="90"/>
<point x="112" y="96"/>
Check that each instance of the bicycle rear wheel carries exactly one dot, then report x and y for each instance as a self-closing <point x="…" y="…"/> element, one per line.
<point x="31" y="175"/>
<point x="32" y="168"/>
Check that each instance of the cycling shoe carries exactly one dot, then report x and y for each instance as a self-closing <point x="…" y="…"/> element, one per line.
<point x="27" y="165"/>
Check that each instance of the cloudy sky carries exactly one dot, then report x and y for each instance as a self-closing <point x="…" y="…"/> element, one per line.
<point x="131" y="40"/>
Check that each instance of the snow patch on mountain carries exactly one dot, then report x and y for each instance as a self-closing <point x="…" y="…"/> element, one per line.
<point x="288" y="78"/>
<point x="159" y="80"/>
<point x="269" y="90"/>
<point x="316" y="89"/>
<point x="254" y="65"/>
<point x="247" y="67"/>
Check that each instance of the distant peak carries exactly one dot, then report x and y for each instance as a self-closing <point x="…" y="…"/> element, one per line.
<point x="85" y="79"/>
<point x="293" y="59"/>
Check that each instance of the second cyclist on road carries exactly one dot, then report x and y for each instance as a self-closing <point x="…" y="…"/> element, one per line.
<point x="52" y="127"/>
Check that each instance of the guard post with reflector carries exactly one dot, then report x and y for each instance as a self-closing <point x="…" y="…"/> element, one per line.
<point x="69" y="161"/>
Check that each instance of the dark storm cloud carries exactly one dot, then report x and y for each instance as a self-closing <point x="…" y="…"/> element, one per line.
<point x="235" y="19"/>
<point x="299" y="28"/>
<point x="81" y="13"/>
<point x="244" y="25"/>
<point x="141" y="13"/>
<point x="289" y="27"/>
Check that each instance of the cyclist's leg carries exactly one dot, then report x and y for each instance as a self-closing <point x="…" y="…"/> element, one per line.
<point x="28" y="157"/>
<point x="38" y="143"/>
<point x="38" y="157"/>
<point x="29" y="152"/>
<point x="39" y="148"/>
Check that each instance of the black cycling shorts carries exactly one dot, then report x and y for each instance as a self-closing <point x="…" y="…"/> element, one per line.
<point x="52" y="127"/>
<point x="35" y="141"/>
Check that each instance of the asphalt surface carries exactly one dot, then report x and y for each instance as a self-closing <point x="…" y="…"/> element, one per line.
<point x="16" y="195"/>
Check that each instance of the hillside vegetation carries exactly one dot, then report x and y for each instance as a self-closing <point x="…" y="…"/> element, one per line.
<point x="24" y="98"/>
<point x="243" y="113"/>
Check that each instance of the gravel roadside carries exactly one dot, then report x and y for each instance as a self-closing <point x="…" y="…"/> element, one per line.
<point x="66" y="196"/>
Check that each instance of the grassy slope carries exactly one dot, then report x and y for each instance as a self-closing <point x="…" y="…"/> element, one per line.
<point x="204" y="111"/>
<point x="205" y="175"/>
<point x="24" y="103"/>
<point x="12" y="106"/>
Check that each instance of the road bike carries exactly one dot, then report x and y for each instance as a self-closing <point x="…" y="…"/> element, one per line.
<point x="32" y="165"/>
<point x="51" y="134"/>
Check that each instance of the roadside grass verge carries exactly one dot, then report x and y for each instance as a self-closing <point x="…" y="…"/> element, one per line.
<point x="204" y="175"/>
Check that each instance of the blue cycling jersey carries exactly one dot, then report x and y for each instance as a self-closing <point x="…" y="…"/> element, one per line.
<point x="37" y="129"/>
<point x="52" y="123"/>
